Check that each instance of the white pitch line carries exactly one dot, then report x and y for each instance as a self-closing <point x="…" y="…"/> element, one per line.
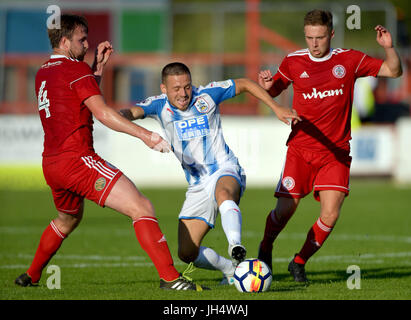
<point x="245" y="234"/>
<point x="375" y="258"/>
<point x="38" y="231"/>
<point x="336" y="236"/>
<point x="359" y="258"/>
<point x="83" y="257"/>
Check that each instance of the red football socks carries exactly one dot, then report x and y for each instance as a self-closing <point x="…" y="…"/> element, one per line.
<point x="272" y="229"/>
<point x="318" y="233"/>
<point x="50" y="242"/>
<point x="148" y="234"/>
<point x="154" y="243"/>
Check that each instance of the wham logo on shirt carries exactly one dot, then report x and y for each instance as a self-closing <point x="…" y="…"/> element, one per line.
<point x="322" y="94"/>
<point x="192" y="128"/>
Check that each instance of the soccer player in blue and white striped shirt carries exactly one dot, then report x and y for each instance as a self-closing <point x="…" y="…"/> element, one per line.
<point x="190" y="118"/>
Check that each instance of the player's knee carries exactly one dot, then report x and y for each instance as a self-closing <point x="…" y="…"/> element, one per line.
<point x="223" y="194"/>
<point x="285" y="209"/>
<point x="330" y="217"/>
<point x="142" y="207"/>
<point x="66" y="224"/>
<point x="284" y="214"/>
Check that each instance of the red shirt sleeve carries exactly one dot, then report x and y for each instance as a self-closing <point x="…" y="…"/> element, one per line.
<point x="281" y="79"/>
<point x="368" y="66"/>
<point x="84" y="83"/>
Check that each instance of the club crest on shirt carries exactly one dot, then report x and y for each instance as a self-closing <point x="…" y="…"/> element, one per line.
<point x="202" y="105"/>
<point x="100" y="184"/>
<point x="339" y="71"/>
<point x="288" y="183"/>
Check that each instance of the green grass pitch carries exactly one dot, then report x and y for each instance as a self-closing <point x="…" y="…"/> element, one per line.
<point x="102" y="260"/>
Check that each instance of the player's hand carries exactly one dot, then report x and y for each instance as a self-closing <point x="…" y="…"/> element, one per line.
<point x="384" y="38"/>
<point x="265" y="79"/>
<point x="157" y="143"/>
<point x="286" y="115"/>
<point x="102" y="54"/>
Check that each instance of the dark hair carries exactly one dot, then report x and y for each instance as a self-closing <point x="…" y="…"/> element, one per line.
<point x="68" y="23"/>
<point x="319" y="18"/>
<point x="173" y="69"/>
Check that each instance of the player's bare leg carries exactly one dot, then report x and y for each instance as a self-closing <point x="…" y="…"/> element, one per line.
<point x="190" y="235"/>
<point x="227" y="188"/>
<point x="275" y="223"/>
<point x="227" y="194"/>
<point x="50" y="242"/>
<point x="128" y="200"/>
<point x="66" y="223"/>
<point x="285" y="209"/>
<point x="331" y="203"/>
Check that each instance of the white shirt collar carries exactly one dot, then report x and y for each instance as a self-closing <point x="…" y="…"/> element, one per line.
<point x="59" y="56"/>
<point x="325" y="58"/>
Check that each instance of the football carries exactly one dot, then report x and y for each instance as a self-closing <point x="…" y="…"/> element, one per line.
<point x="252" y="275"/>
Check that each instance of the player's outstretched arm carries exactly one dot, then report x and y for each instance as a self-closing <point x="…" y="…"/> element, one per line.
<point x="133" y="113"/>
<point x="116" y="122"/>
<point x="283" y="113"/>
<point x="391" y="66"/>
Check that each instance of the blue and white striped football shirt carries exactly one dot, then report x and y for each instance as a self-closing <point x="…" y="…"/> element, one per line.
<point x="195" y="134"/>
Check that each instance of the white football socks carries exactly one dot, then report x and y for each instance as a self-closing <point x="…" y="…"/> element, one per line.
<point x="209" y="259"/>
<point x="231" y="221"/>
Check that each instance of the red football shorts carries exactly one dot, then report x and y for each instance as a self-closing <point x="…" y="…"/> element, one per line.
<point x="305" y="171"/>
<point x="75" y="178"/>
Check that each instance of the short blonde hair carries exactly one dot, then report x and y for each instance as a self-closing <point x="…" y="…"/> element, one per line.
<point x="319" y="18"/>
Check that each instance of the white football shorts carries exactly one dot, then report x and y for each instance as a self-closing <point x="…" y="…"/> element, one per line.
<point x="200" y="200"/>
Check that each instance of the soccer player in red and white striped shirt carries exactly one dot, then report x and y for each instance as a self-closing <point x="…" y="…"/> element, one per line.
<point x="68" y="97"/>
<point x="318" y="155"/>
